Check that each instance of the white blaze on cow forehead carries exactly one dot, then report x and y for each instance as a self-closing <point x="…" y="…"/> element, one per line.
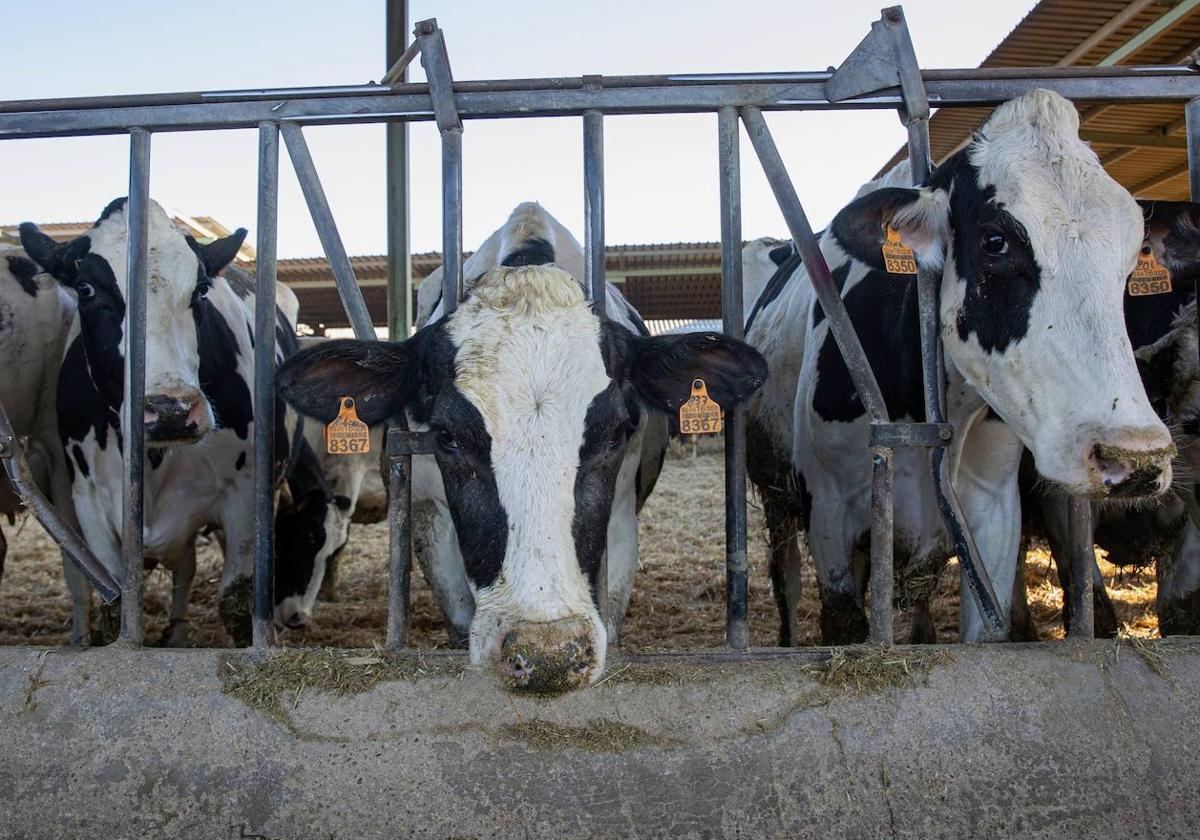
<point x="528" y="358"/>
<point x="172" y="265"/>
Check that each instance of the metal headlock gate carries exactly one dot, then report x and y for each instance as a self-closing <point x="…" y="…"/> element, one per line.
<point x="881" y="73"/>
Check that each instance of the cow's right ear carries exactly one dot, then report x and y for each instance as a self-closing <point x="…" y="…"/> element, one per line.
<point x="920" y="216"/>
<point x="47" y="253"/>
<point x="377" y="374"/>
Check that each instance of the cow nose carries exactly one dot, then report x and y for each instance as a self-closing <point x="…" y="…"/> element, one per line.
<point x="296" y="621"/>
<point x="1135" y="462"/>
<point x="169" y="417"/>
<point x="542" y="659"/>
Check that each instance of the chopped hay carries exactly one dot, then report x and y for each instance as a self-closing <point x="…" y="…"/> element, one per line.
<point x="870" y="669"/>
<point x="1150" y="652"/>
<point x="598" y="736"/>
<point x="234" y="607"/>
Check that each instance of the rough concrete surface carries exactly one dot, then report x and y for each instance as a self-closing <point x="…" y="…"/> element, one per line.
<point x="1081" y="740"/>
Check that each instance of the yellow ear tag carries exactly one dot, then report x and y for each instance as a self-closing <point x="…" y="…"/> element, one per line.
<point x="1150" y="277"/>
<point x="898" y="258"/>
<point x="347" y="435"/>
<point x="700" y="415"/>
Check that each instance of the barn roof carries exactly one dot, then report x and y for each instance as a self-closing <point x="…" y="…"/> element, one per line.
<point x="1143" y="146"/>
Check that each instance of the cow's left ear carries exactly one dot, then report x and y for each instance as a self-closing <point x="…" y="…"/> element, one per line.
<point x="662" y="368"/>
<point x="378" y="375"/>
<point x="920" y="216"/>
<point x="219" y="253"/>
<point x="1173" y="232"/>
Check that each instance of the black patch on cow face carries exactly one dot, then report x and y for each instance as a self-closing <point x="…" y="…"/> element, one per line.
<point x="80" y="461"/>
<point x="222" y="384"/>
<point x="155" y="455"/>
<point x="993" y="256"/>
<point x="611" y="418"/>
<point x="775" y="286"/>
<point x="240" y="462"/>
<point x="883" y="309"/>
<point x="24" y="270"/>
<point x="101" y="314"/>
<point x="533" y="251"/>
<point x="780" y="253"/>
<point x="464" y="456"/>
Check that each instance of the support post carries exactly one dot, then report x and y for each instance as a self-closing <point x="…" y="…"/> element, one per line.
<point x="882" y="542"/>
<point x="133" y="425"/>
<point x="1082" y="560"/>
<point x="593" y="271"/>
<point x="737" y="631"/>
<point x="331" y="240"/>
<point x="399" y="288"/>
<point x="264" y="385"/>
<point x="399" y="472"/>
<point x="452" y="269"/>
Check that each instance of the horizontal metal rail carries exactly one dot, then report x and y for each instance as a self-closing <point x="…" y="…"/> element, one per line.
<point x="535" y="98"/>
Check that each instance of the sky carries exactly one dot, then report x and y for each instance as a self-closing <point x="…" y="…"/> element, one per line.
<point x="660" y="171"/>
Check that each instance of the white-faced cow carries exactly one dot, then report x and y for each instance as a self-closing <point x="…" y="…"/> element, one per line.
<point x="198" y="411"/>
<point x="538" y="404"/>
<point x="1034" y="242"/>
<point x="35" y="314"/>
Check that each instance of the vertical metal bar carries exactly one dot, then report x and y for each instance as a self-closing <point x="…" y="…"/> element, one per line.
<point x="1083" y="558"/>
<point x="882" y="541"/>
<point x="593" y="208"/>
<point x="133" y="427"/>
<point x="737" y="632"/>
<point x="399" y="549"/>
<point x="400" y="316"/>
<point x="1192" y="123"/>
<point x="331" y="240"/>
<point x="264" y="385"/>
<point x="452" y="278"/>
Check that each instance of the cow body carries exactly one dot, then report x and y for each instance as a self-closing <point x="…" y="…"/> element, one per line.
<point x="538" y="407"/>
<point x="1034" y="242"/>
<point x="35" y="315"/>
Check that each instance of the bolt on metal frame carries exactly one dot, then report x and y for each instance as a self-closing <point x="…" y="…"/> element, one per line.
<point x="882" y="73"/>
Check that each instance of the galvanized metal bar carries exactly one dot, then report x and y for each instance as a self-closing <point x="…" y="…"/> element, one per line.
<point x="593" y="209"/>
<point x="509" y="99"/>
<point x="814" y="263"/>
<point x="911" y="434"/>
<point x="331" y="240"/>
<point x="399" y="472"/>
<point x="452" y="259"/>
<point x="264" y="385"/>
<point x="1082" y="561"/>
<point x="12" y="456"/>
<point x="399" y="276"/>
<point x="737" y="631"/>
<point x="133" y="409"/>
<point x="1191" y="114"/>
<point x="436" y="62"/>
<point x="882" y="541"/>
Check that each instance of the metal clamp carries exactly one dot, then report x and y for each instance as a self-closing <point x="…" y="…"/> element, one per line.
<point x="401" y="442"/>
<point x="911" y="434"/>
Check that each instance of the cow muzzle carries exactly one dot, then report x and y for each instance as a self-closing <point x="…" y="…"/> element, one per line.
<point x="1128" y="463"/>
<point x="548" y="657"/>
<point x="176" y="418"/>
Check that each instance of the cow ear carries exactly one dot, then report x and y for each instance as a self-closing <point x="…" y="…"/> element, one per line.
<point x="920" y="216"/>
<point x="1173" y="232"/>
<point x="46" y="252"/>
<point x="662" y="368"/>
<point x="377" y="374"/>
<point x="219" y="253"/>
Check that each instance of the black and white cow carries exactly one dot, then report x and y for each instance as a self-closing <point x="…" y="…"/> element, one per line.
<point x="538" y="404"/>
<point x="1034" y="241"/>
<point x="35" y="314"/>
<point x="1161" y="531"/>
<point x="198" y="411"/>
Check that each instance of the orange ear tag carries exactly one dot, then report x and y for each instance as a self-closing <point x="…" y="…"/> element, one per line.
<point x="1150" y="277"/>
<point x="347" y="435"/>
<point x="700" y="415"/>
<point x="898" y="258"/>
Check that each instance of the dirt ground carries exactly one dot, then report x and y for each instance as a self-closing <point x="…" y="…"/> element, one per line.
<point x="678" y="600"/>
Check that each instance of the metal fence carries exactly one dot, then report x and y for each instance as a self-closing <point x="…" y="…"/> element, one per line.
<point x="882" y="73"/>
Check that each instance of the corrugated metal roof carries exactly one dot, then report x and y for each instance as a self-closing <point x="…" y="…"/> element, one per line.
<point x="1090" y="32"/>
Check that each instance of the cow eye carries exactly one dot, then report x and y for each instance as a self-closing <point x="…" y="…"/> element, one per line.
<point x="995" y="244"/>
<point x="446" y="441"/>
<point x="85" y="291"/>
<point x="202" y="290"/>
<point x="1145" y="249"/>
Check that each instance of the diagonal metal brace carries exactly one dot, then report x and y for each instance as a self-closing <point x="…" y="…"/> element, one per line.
<point x="436" y="62"/>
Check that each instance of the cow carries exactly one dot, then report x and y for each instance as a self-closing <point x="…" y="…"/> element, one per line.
<point x="1162" y="331"/>
<point x="198" y="411"/>
<point x="35" y="314"/>
<point x="1034" y="242"/>
<point x="538" y="405"/>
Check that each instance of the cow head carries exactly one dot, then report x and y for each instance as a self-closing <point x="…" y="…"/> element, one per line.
<point x="532" y="398"/>
<point x="1035" y="242"/>
<point x="180" y="273"/>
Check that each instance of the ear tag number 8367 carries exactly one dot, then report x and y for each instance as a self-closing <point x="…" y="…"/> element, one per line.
<point x="347" y="435"/>
<point x="700" y="415"/>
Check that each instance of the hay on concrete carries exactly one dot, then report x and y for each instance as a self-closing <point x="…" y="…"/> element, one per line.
<point x="870" y="669"/>
<point x="600" y="736"/>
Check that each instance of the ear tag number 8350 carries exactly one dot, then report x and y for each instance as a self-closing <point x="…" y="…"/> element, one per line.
<point x="898" y="258"/>
<point x="347" y="435"/>
<point x="700" y="415"/>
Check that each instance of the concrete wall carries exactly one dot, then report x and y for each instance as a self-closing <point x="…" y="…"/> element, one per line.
<point x="1058" y="740"/>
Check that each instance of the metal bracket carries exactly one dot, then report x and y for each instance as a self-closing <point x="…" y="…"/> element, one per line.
<point x="911" y="434"/>
<point x="880" y="61"/>
<point x="401" y="442"/>
<point x="436" y="61"/>
<point x="395" y="73"/>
